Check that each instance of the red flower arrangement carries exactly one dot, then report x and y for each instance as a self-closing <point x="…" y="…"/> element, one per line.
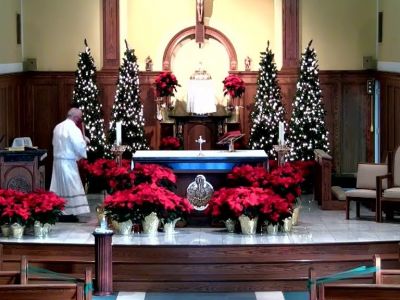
<point x="144" y="199"/>
<point x="234" y="86"/>
<point x="166" y="84"/>
<point x="250" y="201"/>
<point x="45" y="206"/>
<point x="170" y="143"/>
<point x="247" y="175"/>
<point x="13" y="207"/>
<point x="153" y="173"/>
<point x="21" y="208"/>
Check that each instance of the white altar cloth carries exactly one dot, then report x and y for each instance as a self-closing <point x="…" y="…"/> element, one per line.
<point x="201" y="97"/>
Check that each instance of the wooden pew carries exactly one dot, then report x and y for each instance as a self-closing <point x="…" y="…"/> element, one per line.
<point x="14" y="276"/>
<point x="346" y="291"/>
<point x="44" y="284"/>
<point x="44" y="280"/>
<point x="385" y="276"/>
<point x="58" y="291"/>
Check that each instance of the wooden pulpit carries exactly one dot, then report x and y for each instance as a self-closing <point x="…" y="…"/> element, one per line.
<point x="22" y="170"/>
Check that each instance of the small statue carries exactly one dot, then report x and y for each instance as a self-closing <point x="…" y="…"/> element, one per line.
<point x="247" y="63"/>
<point x="149" y="64"/>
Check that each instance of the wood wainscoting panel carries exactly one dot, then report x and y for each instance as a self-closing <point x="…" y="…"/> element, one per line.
<point x="390" y="111"/>
<point x="10" y="97"/>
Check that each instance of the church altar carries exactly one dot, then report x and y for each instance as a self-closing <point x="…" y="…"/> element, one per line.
<point x="195" y="161"/>
<point x="187" y="164"/>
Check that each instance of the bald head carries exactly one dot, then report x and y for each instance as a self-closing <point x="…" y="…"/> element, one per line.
<point x="75" y="114"/>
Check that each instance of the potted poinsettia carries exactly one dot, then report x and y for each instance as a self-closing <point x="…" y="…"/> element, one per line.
<point x="14" y="212"/>
<point x="234" y="87"/>
<point x="45" y="208"/>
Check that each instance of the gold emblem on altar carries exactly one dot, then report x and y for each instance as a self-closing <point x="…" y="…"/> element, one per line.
<point x="199" y="192"/>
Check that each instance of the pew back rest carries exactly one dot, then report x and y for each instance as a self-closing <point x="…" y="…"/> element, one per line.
<point x="360" y="291"/>
<point x="67" y="291"/>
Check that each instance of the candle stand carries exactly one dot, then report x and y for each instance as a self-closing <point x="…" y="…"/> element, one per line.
<point x="282" y="150"/>
<point x="117" y="151"/>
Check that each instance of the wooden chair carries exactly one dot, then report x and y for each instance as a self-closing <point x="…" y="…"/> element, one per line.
<point x="366" y="186"/>
<point x="390" y="195"/>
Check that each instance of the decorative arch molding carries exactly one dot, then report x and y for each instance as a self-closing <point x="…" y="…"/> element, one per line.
<point x="189" y="33"/>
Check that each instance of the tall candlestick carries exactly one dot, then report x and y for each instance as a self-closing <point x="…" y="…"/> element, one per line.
<point x="118" y="129"/>
<point x="281" y="138"/>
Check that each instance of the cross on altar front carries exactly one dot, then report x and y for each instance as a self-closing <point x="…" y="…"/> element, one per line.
<point x="200" y="141"/>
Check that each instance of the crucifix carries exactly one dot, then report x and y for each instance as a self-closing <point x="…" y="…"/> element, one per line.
<point x="200" y="141"/>
<point x="200" y="31"/>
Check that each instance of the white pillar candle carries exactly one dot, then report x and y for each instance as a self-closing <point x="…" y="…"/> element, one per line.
<point x="118" y="129"/>
<point x="281" y="138"/>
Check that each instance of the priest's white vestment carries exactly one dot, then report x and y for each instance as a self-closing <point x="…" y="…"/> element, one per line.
<point x="68" y="147"/>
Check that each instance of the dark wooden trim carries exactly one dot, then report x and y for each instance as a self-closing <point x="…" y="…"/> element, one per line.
<point x="290" y="22"/>
<point x="111" y="59"/>
<point x="189" y="33"/>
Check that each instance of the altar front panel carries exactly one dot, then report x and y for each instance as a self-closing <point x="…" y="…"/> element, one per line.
<point x="201" y="161"/>
<point x="213" y="164"/>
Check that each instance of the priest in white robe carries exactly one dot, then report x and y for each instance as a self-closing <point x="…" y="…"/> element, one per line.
<point x="69" y="146"/>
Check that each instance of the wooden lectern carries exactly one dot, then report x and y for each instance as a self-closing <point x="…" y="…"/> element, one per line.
<point x="22" y="170"/>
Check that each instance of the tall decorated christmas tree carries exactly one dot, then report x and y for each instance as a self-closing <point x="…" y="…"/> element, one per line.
<point x="307" y="125"/>
<point x="85" y="98"/>
<point x="268" y="110"/>
<point x="127" y="107"/>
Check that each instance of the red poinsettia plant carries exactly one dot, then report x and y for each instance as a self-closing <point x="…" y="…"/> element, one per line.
<point x="233" y="86"/>
<point x="247" y="175"/>
<point x="23" y="208"/>
<point x="250" y="201"/>
<point x="144" y="199"/>
<point x="153" y="173"/>
<point x="166" y="84"/>
<point x="13" y="207"/>
<point x="170" y="143"/>
<point x="45" y="206"/>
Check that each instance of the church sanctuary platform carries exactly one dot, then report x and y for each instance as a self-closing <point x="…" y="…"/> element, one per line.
<point x="198" y="259"/>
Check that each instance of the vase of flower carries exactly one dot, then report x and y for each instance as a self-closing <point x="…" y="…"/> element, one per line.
<point x="40" y="229"/>
<point x="124" y="228"/>
<point x="230" y="225"/>
<point x="248" y="225"/>
<point x="150" y="223"/>
<point x="169" y="227"/>
<point x="5" y="230"/>
<point x="272" y="228"/>
<point x="287" y="225"/>
<point x="295" y="215"/>
<point x="17" y="230"/>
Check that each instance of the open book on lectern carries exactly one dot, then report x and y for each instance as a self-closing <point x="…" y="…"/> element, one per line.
<point x="230" y="136"/>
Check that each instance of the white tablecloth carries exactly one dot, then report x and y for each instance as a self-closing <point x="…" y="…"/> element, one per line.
<point x="201" y="97"/>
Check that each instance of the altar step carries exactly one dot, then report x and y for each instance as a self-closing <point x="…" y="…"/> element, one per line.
<point x="206" y="296"/>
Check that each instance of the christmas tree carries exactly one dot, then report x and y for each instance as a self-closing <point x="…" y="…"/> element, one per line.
<point x="127" y="107"/>
<point x="268" y="110"/>
<point x="84" y="97"/>
<point x="307" y="126"/>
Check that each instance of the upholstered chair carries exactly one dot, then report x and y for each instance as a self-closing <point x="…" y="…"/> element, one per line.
<point x="388" y="199"/>
<point x="366" y="186"/>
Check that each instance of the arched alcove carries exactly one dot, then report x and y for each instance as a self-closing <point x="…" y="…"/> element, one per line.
<point x="189" y="33"/>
